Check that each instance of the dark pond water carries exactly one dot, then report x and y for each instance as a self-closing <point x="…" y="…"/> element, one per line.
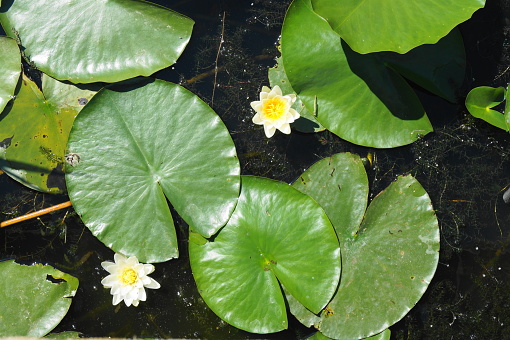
<point x="464" y="166"/>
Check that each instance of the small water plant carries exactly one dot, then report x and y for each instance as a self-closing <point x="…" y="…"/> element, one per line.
<point x="480" y="102"/>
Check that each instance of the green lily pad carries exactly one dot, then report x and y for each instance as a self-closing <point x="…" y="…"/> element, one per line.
<point x="34" y="298"/>
<point x="388" y="260"/>
<point x="33" y="135"/>
<point x="479" y="102"/>
<point x="276" y="235"/>
<point x="10" y="69"/>
<point x="137" y="145"/>
<point x="64" y="335"/>
<point x="96" y="41"/>
<point x="398" y="25"/>
<point x="307" y="122"/>
<point x="356" y="96"/>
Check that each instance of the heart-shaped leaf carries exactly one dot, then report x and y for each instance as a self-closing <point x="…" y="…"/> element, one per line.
<point x="34" y="298"/>
<point x="10" y="69"/>
<point x="275" y="235"/>
<point x="94" y="40"/>
<point x="397" y="25"/>
<point x="33" y="134"/>
<point x="137" y="144"/>
<point x="356" y="96"/>
<point x="479" y="102"/>
<point x="388" y="260"/>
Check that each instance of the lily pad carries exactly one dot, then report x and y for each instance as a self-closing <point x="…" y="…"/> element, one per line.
<point x="307" y="122"/>
<point x="34" y="298"/>
<point x="356" y="96"/>
<point x="10" y="69"/>
<point x="480" y="100"/>
<point x="138" y="144"/>
<point x="276" y="235"/>
<point x="388" y="260"/>
<point x="33" y="135"/>
<point x="96" y="41"/>
<point x="397" y="25"/>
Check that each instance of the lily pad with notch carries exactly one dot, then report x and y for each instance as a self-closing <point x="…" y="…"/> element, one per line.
<point x="140" y="143"/>
<point x="276" y="235"/>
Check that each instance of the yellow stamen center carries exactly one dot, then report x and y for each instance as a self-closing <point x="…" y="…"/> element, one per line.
<point x="274" y="108"/>
<point x="128" y="276"/>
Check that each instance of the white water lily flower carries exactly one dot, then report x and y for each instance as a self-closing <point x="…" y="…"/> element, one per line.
<point x="128" y="279"/>
<point x="274" y="111"/>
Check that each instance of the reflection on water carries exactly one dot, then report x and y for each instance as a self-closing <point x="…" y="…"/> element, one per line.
<point x="464" y="166"/>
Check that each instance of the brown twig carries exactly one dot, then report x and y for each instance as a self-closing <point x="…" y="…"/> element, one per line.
<point x="35" y="214"/>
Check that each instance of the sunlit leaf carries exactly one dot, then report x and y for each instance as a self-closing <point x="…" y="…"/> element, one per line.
<point x="479" y="102"/>
<point x="10" y="68"/>
<point x="139" y="144"/>
<point x="34" y="298"/>
<point x="276" y="235"/>
<point x="94" y="40"/>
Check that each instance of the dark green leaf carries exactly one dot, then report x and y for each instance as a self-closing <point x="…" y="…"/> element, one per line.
<point x="357" y="96"/>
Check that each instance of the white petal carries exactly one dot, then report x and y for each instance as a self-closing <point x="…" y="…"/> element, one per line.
<point x="132" y="261"/>
<point x="109" y="281"/>
<point x="256" y="119"/>
<point x="148" y="268"/>
<point x="292" y="98"/>
<point x="107" y="264"/>
<point x="285" y="128"/>
<point x="116" y="299"/>
<point x="255" y="104"/>
<point x="119" y="258"/>
<point x="142" y="296"/>
<point x="153" y="284"/>
<point x="128" y="301"/>
<point x="135" y="303"/>
<point x="276" y="90"/>
<point x="294" y="113"/>
<point x="269" y="130"/>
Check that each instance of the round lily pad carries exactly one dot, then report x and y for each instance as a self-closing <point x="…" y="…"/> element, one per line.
<point x="388" y="260"/>
<point x="134" y="146"/>
<point x="10" y="69"/>
<point x="34" y="298"/>
<point x="94" y="40"/>
<point x="397" y="25"/>
<point x="276" y="235"/>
